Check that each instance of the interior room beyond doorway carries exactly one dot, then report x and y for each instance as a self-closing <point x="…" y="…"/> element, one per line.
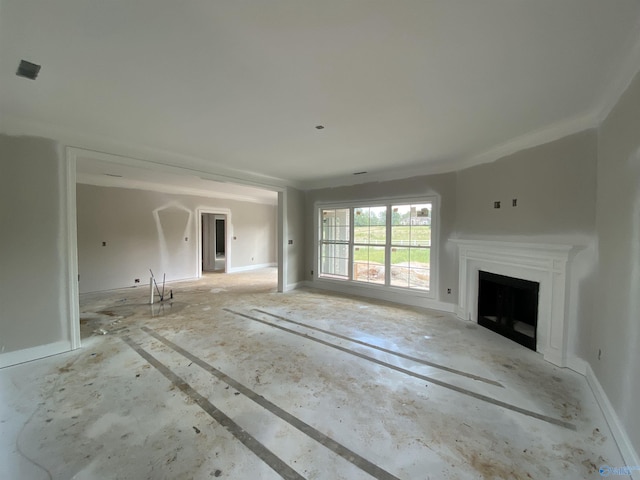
<point x="214" y="242"/>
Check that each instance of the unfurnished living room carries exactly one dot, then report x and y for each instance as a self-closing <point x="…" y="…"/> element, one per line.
<point x="324" y="240"/>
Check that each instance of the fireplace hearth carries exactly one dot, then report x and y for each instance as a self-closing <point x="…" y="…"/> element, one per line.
<point x="508" y="306"/>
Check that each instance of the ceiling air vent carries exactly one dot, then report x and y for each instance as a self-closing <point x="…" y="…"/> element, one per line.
<point x="28" y="70"/>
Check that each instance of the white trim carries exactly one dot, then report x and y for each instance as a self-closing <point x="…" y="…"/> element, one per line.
<point x="541" y="136"/>
<point x="577" y="364"/>
<point x="433" y="198"/>
<point x="141" y="285"/>
<point x="630" y="66"/>
<point x="34" y="353"/>
<point x="375" y="201"/>
<point x="380" y="292"/>
<point x="629" y="454"/>
<point x="71" y="241"/>
<point x="248" y="268"/>
<point x="542" y="263"/>
<point x="295" y="286"/>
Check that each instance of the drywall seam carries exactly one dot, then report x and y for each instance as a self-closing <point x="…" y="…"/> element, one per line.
<point x="629" y="455"/>
<point x="33" y="353"/>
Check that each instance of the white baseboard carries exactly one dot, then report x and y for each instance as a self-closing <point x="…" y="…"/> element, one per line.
<point x="379" y="293"/>
<point x="295" y="286"/>
<point x="248" y="268"/>
<point x="577" y="364"/>
<point x="629" y="455"/>
<point x="34" y="353"/>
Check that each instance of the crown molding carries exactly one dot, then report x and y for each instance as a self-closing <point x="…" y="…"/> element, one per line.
<point x="532" y="139"/>
<point x="629" y="68"/>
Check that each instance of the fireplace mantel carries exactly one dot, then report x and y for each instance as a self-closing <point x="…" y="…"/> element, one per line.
<point x="546" y="264"/>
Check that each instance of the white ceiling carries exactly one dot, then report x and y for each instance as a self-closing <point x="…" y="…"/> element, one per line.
<point x="107" y="173"/>
<point x="241" y="84"/>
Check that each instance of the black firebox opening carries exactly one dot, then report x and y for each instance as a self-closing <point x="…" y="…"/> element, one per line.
<point x="509" y="306"/>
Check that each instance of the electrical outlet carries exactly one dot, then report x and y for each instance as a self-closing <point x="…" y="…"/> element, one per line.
<point x="104" y="244"/>
<point x="514" y="202"/>
<point x="496" y="204"/>
<point x="137" y="280"/>
<point x="449" y="291"/>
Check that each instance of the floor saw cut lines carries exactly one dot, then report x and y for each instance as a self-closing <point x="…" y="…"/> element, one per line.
<point x="349" y="455"/>
<point x="455" y="388"/>
<point x="284" y="470"/>
<point x="391" y="352"/>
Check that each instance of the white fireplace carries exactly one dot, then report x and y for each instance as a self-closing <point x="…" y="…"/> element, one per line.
<point x="542" y="263"/>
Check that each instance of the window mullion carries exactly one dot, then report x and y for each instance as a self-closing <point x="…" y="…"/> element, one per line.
<point x="351" y="242"/>
<point x="387" y="256"/>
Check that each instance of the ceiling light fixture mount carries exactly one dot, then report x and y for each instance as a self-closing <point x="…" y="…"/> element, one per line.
<point x="319" y="127"/>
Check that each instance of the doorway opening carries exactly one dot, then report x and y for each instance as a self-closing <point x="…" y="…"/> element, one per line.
<point x="214" y="243"/>
<point x="98" y="169"/>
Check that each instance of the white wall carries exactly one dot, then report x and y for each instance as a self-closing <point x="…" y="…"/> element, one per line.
<point x="615" y="329"/>
<point x="554" y="184"/>
<point x="148" y="230"/>
<point x="296" y="233"/>
<point x="34" y="250"/>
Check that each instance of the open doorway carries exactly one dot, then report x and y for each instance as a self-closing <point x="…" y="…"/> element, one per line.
<point x="104" y="257"/>
<point x="214" y="245"/>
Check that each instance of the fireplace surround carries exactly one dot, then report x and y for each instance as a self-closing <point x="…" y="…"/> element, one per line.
<point x="545" y="264"/>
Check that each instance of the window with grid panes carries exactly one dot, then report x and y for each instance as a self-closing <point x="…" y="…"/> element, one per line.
<point x="369" y="244"/>
<point x="410" y="245"/>
<point x="380" y="244"/>
<point x="334" y="242"/>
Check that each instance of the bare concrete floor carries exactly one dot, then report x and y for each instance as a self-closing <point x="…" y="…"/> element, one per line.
<point x="233" y="380"/>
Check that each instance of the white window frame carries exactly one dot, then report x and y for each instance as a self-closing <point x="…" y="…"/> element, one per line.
<point x="389" y="202"/>
<point x="336" y="242"/>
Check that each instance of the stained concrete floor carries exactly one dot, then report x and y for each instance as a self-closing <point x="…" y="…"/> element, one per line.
<point x="233" y="380"/>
